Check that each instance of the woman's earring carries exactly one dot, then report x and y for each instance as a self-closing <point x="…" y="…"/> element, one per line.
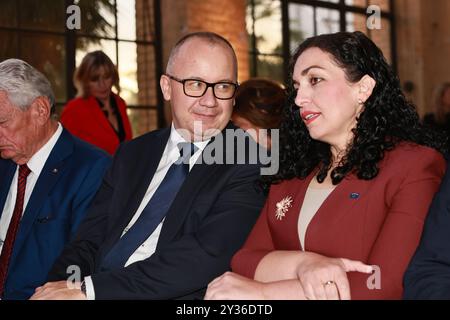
<point x="360" y="101"/>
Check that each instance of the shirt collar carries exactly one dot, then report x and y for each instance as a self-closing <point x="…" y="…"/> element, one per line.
<point x="37" y="161"/>
<point x="175" y="138"/>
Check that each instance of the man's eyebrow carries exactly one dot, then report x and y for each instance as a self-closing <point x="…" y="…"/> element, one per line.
<point x="221" y="80"/>
<point x="305" y="71"/>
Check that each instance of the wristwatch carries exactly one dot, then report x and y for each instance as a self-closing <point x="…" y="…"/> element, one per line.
<point x="83" y="287"/>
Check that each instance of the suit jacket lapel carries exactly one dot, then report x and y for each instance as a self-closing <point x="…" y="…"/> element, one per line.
<point x="53" y="169"/>
<point x="183" y="200"/>
<point x="141" y="174"/>
<point x="180" y="207"/>
<point x="7" y="170"/>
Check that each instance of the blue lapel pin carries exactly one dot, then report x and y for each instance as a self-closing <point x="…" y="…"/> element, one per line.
<point x="354" y="195"/>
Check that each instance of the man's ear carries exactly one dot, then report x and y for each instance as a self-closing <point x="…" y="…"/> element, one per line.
<point x="366" y="85"/>
<point x="41" y="109"/>
<point x="164" y="83"/>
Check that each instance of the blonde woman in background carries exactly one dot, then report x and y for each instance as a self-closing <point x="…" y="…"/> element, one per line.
<point x="97" y="115"/>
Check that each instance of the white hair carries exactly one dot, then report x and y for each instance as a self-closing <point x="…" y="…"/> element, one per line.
<point x="23" y="83"/>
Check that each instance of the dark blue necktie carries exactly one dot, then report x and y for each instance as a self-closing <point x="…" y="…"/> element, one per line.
<point x="153" y="213"/>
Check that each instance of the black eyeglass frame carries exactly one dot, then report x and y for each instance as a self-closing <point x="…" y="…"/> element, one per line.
<point x="208" y="84"/>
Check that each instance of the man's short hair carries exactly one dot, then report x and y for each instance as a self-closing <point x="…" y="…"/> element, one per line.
<point x="210" y="37"/>
<point x="23" y="84"/>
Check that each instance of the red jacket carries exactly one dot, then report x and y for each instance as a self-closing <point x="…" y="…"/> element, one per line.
<point x="378" y="221"/>
<point x="84" y="119"/>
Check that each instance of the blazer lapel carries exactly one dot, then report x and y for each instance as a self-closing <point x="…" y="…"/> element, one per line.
<point x="290" y="198"/>
<point x="97" y="113"/>
<point x="341" y="201"/>
<point x="53" y="169"/>
<point x="7" y="170"/>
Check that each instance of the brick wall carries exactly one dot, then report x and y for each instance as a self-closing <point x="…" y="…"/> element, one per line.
<point x="423" y="47"/>
<point x="225" y="17"/>
<point x="436" y="45"/>
<point x="382" y="36"/>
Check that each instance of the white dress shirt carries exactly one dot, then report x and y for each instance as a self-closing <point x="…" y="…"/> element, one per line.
<point x="36" y="164"/>
<point x="170" y="155"/>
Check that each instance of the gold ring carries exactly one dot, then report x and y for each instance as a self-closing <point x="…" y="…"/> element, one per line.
<point x="328" y="283"/>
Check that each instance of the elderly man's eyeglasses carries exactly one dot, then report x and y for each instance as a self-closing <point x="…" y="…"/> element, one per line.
<point x="196" y="88"/>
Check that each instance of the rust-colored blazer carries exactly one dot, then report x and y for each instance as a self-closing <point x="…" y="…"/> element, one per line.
<point x="378" y="221"/>
<point x="84" y="118"/>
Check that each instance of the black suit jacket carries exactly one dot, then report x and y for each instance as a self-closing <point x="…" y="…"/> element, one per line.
<point x="428" y="275"/>
<point x="207" y="223"/>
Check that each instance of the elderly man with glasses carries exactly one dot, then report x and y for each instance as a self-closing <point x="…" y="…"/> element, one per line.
<point x="164" y="223"/>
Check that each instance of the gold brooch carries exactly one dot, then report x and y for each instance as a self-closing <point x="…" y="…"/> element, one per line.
<point x="282" y="207"/>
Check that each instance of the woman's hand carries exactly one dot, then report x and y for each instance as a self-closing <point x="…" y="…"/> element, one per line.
<point x="325" y="278"/>
<point x="231" y="286"/>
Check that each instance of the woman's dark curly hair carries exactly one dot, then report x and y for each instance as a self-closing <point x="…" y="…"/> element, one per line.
<point x="387" y="117"/>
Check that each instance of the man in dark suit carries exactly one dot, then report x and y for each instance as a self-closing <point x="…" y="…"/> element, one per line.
<point x="428" y="274"/>
<point x="47" y="180"/>
<point x="154" y="234"/>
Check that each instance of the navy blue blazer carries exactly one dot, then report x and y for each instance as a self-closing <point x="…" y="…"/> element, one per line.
<point x="428" y="275"/>
<point x="65" y="188"/>
<point x="208" y="221"/>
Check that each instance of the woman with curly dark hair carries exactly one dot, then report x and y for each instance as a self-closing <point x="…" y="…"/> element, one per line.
<point x="357" y="174"/>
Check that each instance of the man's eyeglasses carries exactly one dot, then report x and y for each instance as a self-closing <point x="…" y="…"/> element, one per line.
<point x="196" y="88"/>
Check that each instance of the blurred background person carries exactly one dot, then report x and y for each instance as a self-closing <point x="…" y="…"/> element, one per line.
<point x="259" y="105"/>
<point x="97" y="115"/>
<point x="439" y="119"/>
